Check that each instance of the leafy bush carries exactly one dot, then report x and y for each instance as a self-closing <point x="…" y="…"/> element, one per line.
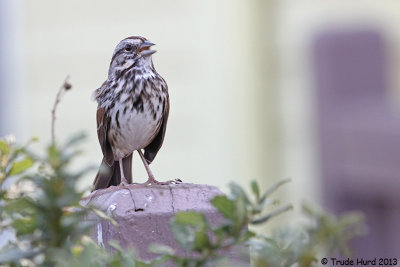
<point x="41" y="220"/>
<point x="48" y="229"/>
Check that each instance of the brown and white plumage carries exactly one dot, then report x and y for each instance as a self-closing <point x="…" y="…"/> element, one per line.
<point x="132" y="113"/>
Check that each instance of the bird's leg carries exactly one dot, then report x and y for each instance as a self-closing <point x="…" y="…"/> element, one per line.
<point x="151" y="179"/>
<point x="121" y="169"/>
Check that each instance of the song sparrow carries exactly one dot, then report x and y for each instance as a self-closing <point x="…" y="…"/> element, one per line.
<point x="132" y="113"/>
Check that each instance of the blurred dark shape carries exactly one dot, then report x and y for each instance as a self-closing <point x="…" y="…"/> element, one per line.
<point x="359" y="135"/>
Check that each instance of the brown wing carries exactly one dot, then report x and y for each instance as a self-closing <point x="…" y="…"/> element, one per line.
<point x="103" y="123"/>
<point x="151" y="150"/>
<point x="109" y="172"/>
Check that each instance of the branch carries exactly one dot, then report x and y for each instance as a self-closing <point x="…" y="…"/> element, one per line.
<point x="63" y="88"/>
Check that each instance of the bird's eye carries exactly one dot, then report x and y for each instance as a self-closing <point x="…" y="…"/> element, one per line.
<point x="128" y="48"/>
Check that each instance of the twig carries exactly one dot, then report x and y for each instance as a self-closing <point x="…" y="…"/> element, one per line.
<point x="64" y="87"/>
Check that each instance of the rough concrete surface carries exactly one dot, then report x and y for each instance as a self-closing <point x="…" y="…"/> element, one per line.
<point x="143" y="214"/>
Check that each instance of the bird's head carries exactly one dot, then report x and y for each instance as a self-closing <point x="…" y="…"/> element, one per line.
<point x="131" y="52"/>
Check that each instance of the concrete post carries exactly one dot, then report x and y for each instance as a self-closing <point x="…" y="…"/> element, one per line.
<point x="143" y="214"/>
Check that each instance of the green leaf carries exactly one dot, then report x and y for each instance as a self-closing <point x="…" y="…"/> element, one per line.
<point x="201" y="240"/>
<point x="166" y="253"/>
<point x="225" y="206"/>
<point x="240" y="215"/>
<point x="273" y="189"/>
<point x="21" y="166"/>
<point x="191" y="218"/>
<point x="276" y="212"/>
<point x="54" y="156"/>
<point x="19" y="205"/>
<point x="271" y="242"/>
<point x="24" y="225"/>
<point x="115" y="245"/>
<point x="237" y="191"/>
<point x="161" y="249"/>
<point x="15" y="255"/>
<point x="4" y="148"/>
<point x="255" y="188"/>
<point x="244" y="237"/>
<point x="183" y="234"/>
<point x="144" y="264"/>
<point x="103" y="216"/>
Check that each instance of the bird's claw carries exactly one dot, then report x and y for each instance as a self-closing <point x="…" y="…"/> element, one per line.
<point x="124" y="182"/>
<point x="153" y="181"/>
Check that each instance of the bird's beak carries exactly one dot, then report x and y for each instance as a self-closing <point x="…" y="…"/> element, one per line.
<point x="144" y="49"/>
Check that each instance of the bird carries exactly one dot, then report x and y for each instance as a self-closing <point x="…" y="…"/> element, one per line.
<point x="132" y="113"/>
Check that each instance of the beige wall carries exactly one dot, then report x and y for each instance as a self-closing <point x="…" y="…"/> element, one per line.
<point x="238" y="74"/>
<point x="210" y="54"/>
<point x="297" y="23"/>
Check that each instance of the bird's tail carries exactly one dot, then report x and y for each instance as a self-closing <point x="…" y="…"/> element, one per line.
<point x="111" y="175"/>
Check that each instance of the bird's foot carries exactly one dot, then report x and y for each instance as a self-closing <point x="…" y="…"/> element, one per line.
<point x="124" y="182"/>
<point x="153" y="181"/>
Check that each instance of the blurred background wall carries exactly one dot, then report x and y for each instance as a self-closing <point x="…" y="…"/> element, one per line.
<point x="210" y="59"/>
<point x="250" y="82"/>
